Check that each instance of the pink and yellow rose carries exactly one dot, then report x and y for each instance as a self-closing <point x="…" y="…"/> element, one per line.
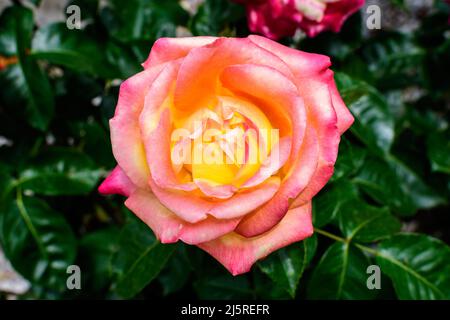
<point x="281" y="18"/>
<point x="270" y="118"/>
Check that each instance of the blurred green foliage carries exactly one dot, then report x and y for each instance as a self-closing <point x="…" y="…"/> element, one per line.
<point x="392" y="173"/>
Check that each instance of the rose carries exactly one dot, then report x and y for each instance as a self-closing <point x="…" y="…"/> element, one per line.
<point x="240" y="210"/>
<point x="281" y="18"/>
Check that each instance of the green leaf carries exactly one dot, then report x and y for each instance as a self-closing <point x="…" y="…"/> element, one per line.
<point x="6" y="195"/>
<point x="329" y="201"/>
<point x="95" y="252"/>
<point x="95" y="141"/>
<point x="24" y="81"/>
<point x="143" y="19"/>
<point x="350" y="159"/>
<point x="126" y="59"/>
<point x="418" y="265"/>
<point x="286" y="266"/>
<point x="6" y="183"/>
<point x="71" y="48"/>
<point x="38" y="241"/>
<point x="60" y="171"/>
<point x="176" y="274"/>
<point x="340" y="274"/>
<point x="390" y="182"/>
<point x="266" y="289"/>
<point x="424" y="121"/>
<point x="223" y="287"/>
<point x="213" y="16"/>
<point x="374" y="123"/>
<point x="438" y="146"/>
<point x="139" y="258"/>
<point x="362" y="222"/>
<point x="394" y="60"/>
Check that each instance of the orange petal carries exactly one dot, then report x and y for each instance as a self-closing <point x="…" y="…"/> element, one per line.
<point x="197" y="83"/>
<point x="168" y="49"/>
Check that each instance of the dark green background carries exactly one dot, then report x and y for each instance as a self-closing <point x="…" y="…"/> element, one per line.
<point x="387" y="203"/>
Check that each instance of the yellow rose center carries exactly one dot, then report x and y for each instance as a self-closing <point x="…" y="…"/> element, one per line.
<point x="224" y="144"/>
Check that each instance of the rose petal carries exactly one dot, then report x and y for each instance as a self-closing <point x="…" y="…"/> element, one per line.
<point x="126" y="139"/>
<point x="322" y="116"/>
<point x="277" y="158"/>
<point x="297" y="179"/>
<point x="238" y="254"/>
<point x="193" y="208"/>
<point x="168" y="49"/>
<point x="189" y="207"/>
<point x="302" y="64"/>
<point x="344" y="116"/>
<point x="215" y="191"/>
<point x="246" y="200"/>
<point x="271" y="86"/>
<point x="274" y="93"/>
<point x="196" y="85"/>
<point x="117" y="182"/>
<point x="168" y="227"/>
<point x="317" y="101"/>
<point x="310" y="66"/>
<point x="156" y="128"/>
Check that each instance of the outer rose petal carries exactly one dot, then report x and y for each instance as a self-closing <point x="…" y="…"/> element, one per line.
<point x="329" y="136"/>
<point x="302" y="64"/>
<point x="322" y="116"/>
<point x="310" y="66"/>
<point x="193" y="208"/>
<point x="168" y="49"/>
<point x="238" y="254"/>
<point x="247" y="200"/>
<point x="125" y="133"/>
<point x="155" y="125"/>
<point x="168" y="227"/>
<point x="345" y="118"/>
<point x="117" y="183"/>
